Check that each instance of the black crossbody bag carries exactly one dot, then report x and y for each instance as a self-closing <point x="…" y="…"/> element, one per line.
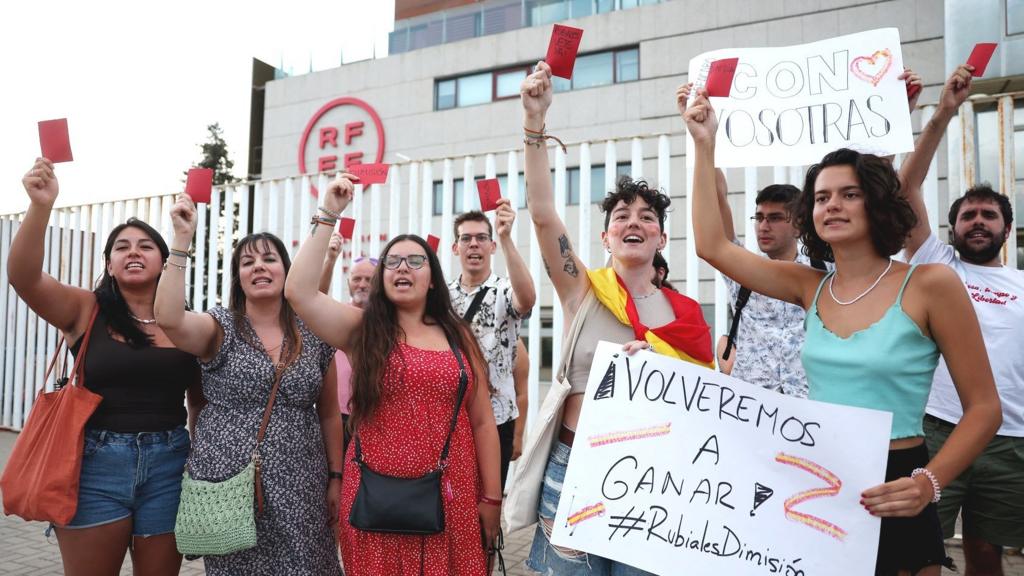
<point x="405" y="505"/>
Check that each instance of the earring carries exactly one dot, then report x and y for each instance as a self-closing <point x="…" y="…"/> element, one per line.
<point x="608" y="249"/>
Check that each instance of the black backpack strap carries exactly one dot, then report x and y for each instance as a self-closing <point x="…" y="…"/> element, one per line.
<point x="474" y="306"/>
<point x="741" y="302"/>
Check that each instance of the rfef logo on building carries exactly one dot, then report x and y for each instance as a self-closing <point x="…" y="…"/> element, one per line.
<point x="344" y="131"/>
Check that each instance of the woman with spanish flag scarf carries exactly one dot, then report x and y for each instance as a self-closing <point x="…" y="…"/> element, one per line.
<point x="621" y="303"/>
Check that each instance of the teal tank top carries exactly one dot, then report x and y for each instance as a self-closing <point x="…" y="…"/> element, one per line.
<point x="887" y="366"/>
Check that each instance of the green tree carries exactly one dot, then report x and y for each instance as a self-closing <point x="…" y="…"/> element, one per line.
<point x="215" y="155"/>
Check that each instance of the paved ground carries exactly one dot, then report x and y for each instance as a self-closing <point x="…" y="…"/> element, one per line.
<point x="24" y="551"/>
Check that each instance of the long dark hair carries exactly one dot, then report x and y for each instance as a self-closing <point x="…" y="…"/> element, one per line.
<point x="108" y="294"/>
<point x="379" y="334"/>
<point x="260" y="242"/>
<point x="890" y="216"/>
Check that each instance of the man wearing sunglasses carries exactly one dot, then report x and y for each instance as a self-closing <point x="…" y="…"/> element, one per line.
<point x="360" y="277"/>
<point x="495" y="307"/>
<point x="766" y="335"/>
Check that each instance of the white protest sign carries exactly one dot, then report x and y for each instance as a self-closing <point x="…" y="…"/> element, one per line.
<point x="675" y="465"/>
<point x="790" y="106"/>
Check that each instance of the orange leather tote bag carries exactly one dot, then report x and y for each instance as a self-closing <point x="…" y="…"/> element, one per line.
<point x="40" y="481"/>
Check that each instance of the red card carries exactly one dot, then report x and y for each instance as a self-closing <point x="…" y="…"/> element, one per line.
<point x="199" y="185"/>
<point x="720" y="77"/>
<point x="565" y="42"/>
<point x="347" y="227"/>
<point x="912" y="90"/>
<point x="433" y="242"/>
<point x="54" y="142"/>
<point x="490" y="193"/>
<point x="980" y="56"/>
<point x="369" y="173"/>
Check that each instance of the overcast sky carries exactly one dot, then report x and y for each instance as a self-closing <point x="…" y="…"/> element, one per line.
<point x="140" y="81"/>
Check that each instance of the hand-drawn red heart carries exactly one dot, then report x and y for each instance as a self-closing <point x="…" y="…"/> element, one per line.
<point x="872" y="68"/>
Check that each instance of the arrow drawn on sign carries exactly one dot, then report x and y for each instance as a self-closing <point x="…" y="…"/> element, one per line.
<point x="761" y="493"/>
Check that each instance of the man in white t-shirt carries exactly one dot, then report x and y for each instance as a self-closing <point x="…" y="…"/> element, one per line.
<point x="990" y="494"/>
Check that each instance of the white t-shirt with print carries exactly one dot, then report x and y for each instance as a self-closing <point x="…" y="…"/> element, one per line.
<point x="496" y="326"/>
<point x="998" y="297"/>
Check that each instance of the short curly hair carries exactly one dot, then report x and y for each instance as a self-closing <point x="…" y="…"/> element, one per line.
<point x="890" y="216"/>
<point x="628" y="190"/>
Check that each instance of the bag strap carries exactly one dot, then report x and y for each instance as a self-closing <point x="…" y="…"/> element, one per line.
<point x="463" y="385"/>
<point x="569" y="343"/>
<point x="474" y="306"/>
<point x="278" y="374"/>
<point x="741" y="302"/>
<point x="78" y="372"/>
<point x="819" y="265"/>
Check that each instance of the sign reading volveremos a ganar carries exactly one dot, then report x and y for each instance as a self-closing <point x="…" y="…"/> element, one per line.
<point x="792" y="105"/>
<point x="677" y="469"/>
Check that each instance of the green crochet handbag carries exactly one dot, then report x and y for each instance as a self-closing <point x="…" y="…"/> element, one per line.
<point x="217" y="518"/>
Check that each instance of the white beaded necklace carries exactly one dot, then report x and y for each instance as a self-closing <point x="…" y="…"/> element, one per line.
<point x="862" y="294"/>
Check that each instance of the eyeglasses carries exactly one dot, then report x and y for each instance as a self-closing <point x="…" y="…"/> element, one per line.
<point x="480" y="238"/>
<point x="771" y="218"/>
<point x="373" y="261"/>
<point x="413" y="261"/>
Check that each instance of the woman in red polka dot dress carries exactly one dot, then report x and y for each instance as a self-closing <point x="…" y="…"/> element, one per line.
<point x="405" y="379"/>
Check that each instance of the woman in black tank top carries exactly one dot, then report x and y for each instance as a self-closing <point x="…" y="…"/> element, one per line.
<point x="136" y="440"/>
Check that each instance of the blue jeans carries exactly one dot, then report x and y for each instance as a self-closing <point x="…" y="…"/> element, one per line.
<point x="135" y="476"/>
<point x="545" y="558"/>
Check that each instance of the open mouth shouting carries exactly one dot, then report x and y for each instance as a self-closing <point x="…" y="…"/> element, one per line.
<point x="633" y="239"/>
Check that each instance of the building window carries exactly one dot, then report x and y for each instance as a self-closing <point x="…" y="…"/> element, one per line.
<point x="1014" y="17"/>
<point x="598" y="190"/>
<point x="598" y="69"/>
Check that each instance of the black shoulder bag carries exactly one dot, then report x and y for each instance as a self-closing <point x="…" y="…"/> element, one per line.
<point x="405" y="505"/>
<point x="741" y="301"/>
<point x="474" y="306"/>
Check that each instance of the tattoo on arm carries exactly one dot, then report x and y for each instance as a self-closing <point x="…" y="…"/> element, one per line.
<point x="565" y="249"/>
<point x="546" y="267"/>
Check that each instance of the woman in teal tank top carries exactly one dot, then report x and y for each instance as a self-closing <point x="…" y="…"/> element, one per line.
<point x="875" y="328"/>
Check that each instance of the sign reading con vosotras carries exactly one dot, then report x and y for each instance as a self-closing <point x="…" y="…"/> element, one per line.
<point x="792" y="105"/>
<point x="675" y="466"/>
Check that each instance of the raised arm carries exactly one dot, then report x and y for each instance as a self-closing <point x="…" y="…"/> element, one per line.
<point x="65" y="307"/>
<point x="786" y="281"/>
<point x="721" y="186"/>
<point x="523" y="294"/>
<point x="195" y="333"/>
<point x="333" y="250"/>
<point x="332" y="321"/>
<point x="954" y="327"/>
<point x="566" y="270"/>
<point x="915" y="167"/>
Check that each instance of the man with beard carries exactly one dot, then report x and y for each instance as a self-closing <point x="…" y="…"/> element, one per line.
<point x="990" y="494"/>
<point x="360" y="278"/>
<point x="495" y="308"/>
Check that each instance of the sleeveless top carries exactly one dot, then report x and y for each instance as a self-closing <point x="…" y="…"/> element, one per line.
<point x="143" y="389"/>
<point x="887" y="366"/>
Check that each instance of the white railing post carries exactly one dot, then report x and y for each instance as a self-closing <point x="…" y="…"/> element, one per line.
<point x="583" y="238"/>
<point x="448" y="202"/>
<point x="468" y="184"/>
<point x="411" y="226"/>
<point x="665" y="183"/>
<point x="427" y="209"/>
<point x="358" y="195"/>
<point x="212" y="272"/>
<point x="636" y="168"/>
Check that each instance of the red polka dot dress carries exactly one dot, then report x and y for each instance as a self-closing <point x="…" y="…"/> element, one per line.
<point x="404" y="439"/>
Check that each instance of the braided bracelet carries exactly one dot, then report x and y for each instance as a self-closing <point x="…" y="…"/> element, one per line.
<point x="182" y="253"/>
<point x="936" y="491"/>
<point x="491" y="501"/>
<point x="534" y="138"/>
<point x="329" y="212"/>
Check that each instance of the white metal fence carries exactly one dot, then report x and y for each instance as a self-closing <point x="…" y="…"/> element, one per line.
<point x="406" y="203"/>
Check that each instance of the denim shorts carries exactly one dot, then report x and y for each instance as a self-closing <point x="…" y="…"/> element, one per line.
<point x="545" y="558"/>
<point x="135" y="476"/>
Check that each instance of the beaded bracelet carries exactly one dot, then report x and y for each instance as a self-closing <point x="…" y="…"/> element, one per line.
<point x="182" y="253"/>
<point x="936" y="491"/>
<point x="178" y="266"/>
<point x="330" y="213"/>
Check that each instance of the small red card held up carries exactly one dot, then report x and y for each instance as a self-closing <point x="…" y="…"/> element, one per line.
<point x="565" y="42"/>
<point x="490" y="192"/>
<point x="369" y="173"/>
<point x="347" y="227"/>
<point x="980" y="57"/>
<point x="199" y="185"/>
<point x="720" y="76"/>
<point x="54" y="142"/>
<point x="434" y="242"/>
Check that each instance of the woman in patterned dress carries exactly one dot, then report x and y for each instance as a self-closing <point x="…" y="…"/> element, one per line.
<point x="239" y="348"/>
<point x="404" y="386"/>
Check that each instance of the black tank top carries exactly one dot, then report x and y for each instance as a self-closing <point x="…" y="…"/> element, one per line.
<point x="143" y="389"/>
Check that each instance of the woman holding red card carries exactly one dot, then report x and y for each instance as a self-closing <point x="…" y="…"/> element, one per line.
<point x="624" y="302"/>
<point x="135" y="441"/>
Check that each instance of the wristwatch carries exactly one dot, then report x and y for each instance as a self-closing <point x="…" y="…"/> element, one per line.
<point x="331" y="474"/>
